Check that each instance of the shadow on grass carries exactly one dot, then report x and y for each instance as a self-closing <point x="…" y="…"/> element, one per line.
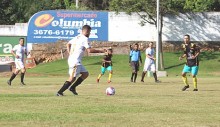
<point x="173" y="66"/>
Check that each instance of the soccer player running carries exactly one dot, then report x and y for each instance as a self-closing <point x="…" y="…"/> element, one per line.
<point x="18" y="52"/>
<point x="149" y="64"/>
<point x="106" y="65"/>
<point x="76" y="48"/>
<point x="135" y="57"/>
<point x="191" y="52"/>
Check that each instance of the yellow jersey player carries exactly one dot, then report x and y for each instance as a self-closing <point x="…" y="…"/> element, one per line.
<point x="106" y="65"/>
<point x="191" y="53"/>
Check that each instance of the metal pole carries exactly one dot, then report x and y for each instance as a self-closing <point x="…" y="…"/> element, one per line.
<point x="157" y="42"/>
<point x="77" y="3"/>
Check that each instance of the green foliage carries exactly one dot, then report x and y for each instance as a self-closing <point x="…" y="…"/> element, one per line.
<point x="202" y="5"/>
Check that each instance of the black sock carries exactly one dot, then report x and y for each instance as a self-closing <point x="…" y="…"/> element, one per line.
<point x="155" y="76"/>
<point x="132" y="75"/>
<point x="65" y="86"/>
<point x="143" y="75"/>
<point x="12" y="77"/>
<point x="22" y="77"/>
<point x="135" y="77"/>
<point x="76" y="83"/>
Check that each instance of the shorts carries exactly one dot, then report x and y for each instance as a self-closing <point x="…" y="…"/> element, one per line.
<point x="19" y="65"/>
<point x="135" y="66"/>
<point x="149" y="67"/>
<point x="103" y="69"/>
<point x="74" y="71"/>
<point x="193" y="69"/>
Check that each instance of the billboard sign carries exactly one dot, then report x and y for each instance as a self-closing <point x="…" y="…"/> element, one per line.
<point x="54" y="25"/>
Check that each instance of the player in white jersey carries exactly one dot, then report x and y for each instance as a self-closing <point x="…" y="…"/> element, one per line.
<point x="76" y="48"/>
<point x="19" y="51"/>
<point x="149" y="64"/>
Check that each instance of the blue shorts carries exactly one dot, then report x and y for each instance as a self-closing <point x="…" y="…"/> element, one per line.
<point x="193" y="69"/>
<point x="103" y="69"/>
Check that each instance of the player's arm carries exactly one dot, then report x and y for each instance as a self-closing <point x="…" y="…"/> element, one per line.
<point x="140" y="57"/>
<point x="150" y="57"/>
<point x="197" y="52"/>
<point x="183" y="56"/>
<point x="13" y="52"/>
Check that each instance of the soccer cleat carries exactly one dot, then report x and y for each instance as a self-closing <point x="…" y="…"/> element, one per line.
<point x="9" y="82"/>
<point x="142" y="80"/>
<point x="59" y="94"/>
<point x="109" y="81"/>
<point x="73" y="91"/>
<point x="22" y="83"/>
<point x="195" y="89"/>
<point x="131" y="80"/>
<point x="185" y="87"/>
<point x="97" y="80"/>
<point x="157" y="81"/>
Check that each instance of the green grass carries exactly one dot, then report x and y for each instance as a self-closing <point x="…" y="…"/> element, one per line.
<point x="139" y="104"/>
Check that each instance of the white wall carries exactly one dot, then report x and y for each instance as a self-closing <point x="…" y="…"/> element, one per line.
<point x="122" y="27"/>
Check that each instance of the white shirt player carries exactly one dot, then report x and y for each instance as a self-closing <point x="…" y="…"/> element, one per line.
<point x="150" y="52"/>
<point x="78" y="45"/>
<point x="19" y="51"/>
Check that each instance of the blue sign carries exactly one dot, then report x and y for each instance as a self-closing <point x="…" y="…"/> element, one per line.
<point x="54" y="25"/>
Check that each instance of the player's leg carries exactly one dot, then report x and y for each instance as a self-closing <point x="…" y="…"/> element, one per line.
<point x="194" y="73"/>
<point x="153" y="69"/>
<point x="109" y="68"/>
<point x="14" y="74"/>
<point x="144" y="71"/>
<point x="103" y="69"/>
<point x="84" y="74"/>
<point x="69" y="81"/>
<point x="186" y="69"/>
<point x="23" y="70"/>
<point x="136" y="71"/>
<point x="133" y="70"/>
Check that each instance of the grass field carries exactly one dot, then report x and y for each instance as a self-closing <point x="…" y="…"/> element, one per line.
<point x="134" y="104"/>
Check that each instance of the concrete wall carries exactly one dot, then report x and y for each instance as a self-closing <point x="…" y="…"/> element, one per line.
<point x="122" y="27"/>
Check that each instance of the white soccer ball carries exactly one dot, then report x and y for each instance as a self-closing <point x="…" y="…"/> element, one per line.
<point x="110" y="91"/>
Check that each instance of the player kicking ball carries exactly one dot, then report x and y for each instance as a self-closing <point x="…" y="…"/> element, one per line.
<point x="106" y="65"/>
<point x="149" y="64"/>
<point x="76" y="48"/>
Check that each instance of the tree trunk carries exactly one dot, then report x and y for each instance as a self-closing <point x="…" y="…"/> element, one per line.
<point x="161" y="45"/>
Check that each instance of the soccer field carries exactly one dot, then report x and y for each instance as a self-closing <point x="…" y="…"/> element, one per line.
<point x="134" y="104"/>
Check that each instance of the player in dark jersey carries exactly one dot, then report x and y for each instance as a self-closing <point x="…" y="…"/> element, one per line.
<point x="191" y="52"/>
<point x="106" y="65"/>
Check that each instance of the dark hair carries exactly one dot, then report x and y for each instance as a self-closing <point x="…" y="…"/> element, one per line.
<point x="21" y="38"/>
<point x="187" y="35"/>
<point x="86" y="27"/>
<point x="136" y="44"/>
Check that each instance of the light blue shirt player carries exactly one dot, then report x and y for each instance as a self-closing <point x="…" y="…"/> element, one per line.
<point x="135" y="55"/>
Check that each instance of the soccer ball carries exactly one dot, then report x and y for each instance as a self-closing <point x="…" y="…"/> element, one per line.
<point x="110" y="91"/>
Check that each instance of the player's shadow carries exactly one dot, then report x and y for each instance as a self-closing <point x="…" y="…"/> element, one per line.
<point x="57" y="70"/>
<point x="173" y="66"/>
<point x="95" y="63"/>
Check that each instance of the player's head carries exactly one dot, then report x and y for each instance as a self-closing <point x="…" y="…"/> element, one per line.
<point x="151" y="44"/>
<point x="136" y="46"/>
<point x="86" y="29"/>
<point x="109" y="51"/>
<point x="186" y="39"/>
<point x="21" y="41"/>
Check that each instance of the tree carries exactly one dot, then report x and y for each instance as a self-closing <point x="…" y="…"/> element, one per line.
<point x="149" y="15"/>
<point x="202" y="5"/>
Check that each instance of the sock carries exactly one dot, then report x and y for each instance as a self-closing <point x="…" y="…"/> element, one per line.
<point x="143" y="75"/>
<point x="109" y="76"/>
<point x="100" y="75"/>
<point x="65" y="86"/>
<point x="22" y="77"/>
<point x="135" y="77"/>
<point x="76" y="83"/>
<point x="12" y="76"/>
<point x="195" y="82"/>
<point x="132" y="75"/>
<point x="155" y="76"/>
<point x="185" y="80"/>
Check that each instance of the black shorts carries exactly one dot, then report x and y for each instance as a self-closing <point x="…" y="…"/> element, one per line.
<point x="135" y="65"/>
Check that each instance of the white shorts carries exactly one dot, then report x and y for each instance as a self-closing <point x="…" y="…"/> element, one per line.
<point x="19" y="65"/>
<point x="149" y="67"/>
<point x="74" y="71"/>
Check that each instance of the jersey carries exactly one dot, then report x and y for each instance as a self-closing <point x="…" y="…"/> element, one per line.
<point x="78" y="45"/>
<point x="135" y="55"/>
<point x="19" y="51"/>
<point x="150" y="52"/>
<point x="107" y="58"/>
<point x="190" y="50"/>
